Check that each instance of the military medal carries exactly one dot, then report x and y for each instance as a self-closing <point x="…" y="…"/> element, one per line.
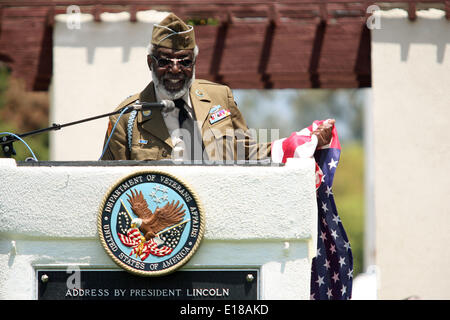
<point x="218" y="115"/>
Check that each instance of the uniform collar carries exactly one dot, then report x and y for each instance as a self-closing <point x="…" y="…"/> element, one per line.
<point x="201" y="101"/>
<point x="186" y="99"/>
<point x="196" y="99"/>
<point x="153" y="121"/>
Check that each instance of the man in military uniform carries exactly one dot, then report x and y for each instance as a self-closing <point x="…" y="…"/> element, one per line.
<point x="205" y="123"/>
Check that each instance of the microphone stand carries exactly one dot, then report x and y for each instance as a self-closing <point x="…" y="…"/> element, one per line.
<point x="7" y="141"/>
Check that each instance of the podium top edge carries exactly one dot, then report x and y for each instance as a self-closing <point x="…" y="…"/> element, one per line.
<point x="125" y="163"/>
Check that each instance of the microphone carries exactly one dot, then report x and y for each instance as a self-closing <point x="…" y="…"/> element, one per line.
<point x="164" y="104"/>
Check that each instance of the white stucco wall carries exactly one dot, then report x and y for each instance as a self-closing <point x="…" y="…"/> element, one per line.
<point x="248" y="221"/>
<point x="411" y="114"/>
<point x="95" y="67"/>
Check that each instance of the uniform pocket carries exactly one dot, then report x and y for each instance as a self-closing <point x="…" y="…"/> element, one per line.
<point x="219" y="141"/>
<point x="148" y="147"/>
<point x="222" y="128"/>
<point x="140" y="152"/>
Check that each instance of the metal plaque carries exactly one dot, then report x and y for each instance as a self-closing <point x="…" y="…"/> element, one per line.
<point x="122" y="285"/>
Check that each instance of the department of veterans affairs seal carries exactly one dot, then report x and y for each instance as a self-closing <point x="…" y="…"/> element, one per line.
<point x="150" y="223"/>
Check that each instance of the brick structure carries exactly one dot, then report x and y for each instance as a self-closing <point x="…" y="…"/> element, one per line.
<point x="26" y="44"/>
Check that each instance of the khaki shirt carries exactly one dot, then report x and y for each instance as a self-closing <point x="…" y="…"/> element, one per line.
<point x="224" y="139"/>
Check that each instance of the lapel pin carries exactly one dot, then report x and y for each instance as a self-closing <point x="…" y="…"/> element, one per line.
<point x="199" y="93"/>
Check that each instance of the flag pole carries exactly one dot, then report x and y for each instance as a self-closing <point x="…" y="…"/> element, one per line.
<point x="129" y="215"/>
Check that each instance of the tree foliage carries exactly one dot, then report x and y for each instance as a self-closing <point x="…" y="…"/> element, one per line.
<point x="23" y="111"/>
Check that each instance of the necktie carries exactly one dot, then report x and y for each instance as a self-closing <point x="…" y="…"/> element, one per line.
<point x="194" y="148"/>
<point x="182" y="115"/>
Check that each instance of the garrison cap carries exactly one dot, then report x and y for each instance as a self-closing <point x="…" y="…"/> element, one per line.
<point x="173" y="33"/>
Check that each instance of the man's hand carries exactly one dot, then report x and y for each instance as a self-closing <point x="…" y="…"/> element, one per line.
<point x="323" y="132"/>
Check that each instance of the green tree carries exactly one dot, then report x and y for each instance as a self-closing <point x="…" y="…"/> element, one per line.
<point x="348" y="190"/>
<point x="22" y="111"/>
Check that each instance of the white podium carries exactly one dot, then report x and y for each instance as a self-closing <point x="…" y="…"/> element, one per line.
<point x="257" y="217"/>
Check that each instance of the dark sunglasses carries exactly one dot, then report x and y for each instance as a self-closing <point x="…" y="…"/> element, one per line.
<point x="165" y="62"/>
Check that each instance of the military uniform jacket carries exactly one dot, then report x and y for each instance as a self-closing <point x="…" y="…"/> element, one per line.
<point x="224" y="138"/>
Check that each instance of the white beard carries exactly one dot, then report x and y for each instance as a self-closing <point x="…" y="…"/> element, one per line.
<point x="168" y="95"/>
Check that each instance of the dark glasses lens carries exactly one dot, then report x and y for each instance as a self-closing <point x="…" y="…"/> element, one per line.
<point x="164" y="62"/>
<point x="187" y="63"/>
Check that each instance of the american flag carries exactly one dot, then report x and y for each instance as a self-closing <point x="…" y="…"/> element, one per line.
<point x="172" y="236"/>
<point x="133" y="238"/>
<point x="142" y="248"/>
<point x="332" y="267"/>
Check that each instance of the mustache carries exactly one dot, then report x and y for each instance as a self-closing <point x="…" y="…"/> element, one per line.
<point x="173" y="77"/>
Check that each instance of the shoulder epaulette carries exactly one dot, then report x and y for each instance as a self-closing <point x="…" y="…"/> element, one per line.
<point x="128" y="100"/>
<point x="202" y="81"/>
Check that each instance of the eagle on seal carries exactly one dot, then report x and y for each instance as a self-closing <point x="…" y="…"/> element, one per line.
<point x="150" y="223"/>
